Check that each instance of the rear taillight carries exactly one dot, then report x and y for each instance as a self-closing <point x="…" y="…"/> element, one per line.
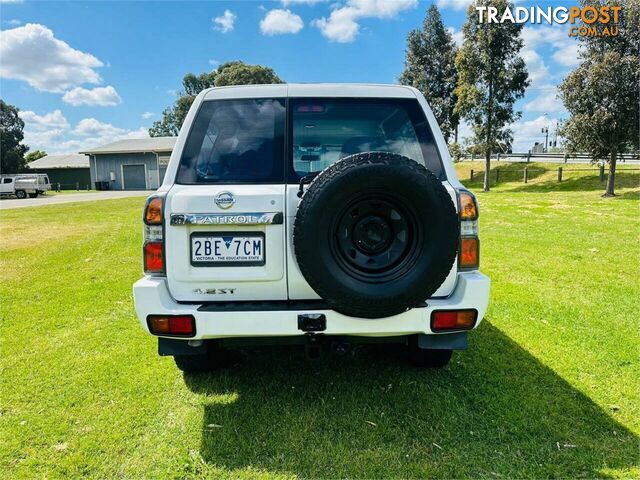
<point x="469" y="248"/>
<point x="153" y="247"/>
<point x="448" y="320"/>
<point x="172" y="325"/>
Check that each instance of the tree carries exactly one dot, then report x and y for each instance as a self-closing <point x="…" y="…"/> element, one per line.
<point x="11" y="135"/>
<point x="430" y="67"/>
<point x="35" y="155"/>
<point x="229" y="73"/>
<point x="602" y="94"/>
<point x="492" y="77"/>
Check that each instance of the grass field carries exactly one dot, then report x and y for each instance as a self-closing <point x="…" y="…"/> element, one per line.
<point x="548" y="388"/>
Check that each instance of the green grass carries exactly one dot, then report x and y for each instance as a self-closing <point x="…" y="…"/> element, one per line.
<point x="548" y="388"/>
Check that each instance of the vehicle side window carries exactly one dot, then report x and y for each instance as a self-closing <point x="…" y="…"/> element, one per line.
<point x="7" y="180"/>
<point x="326" y="130"/>
<point x="235" y="141"/>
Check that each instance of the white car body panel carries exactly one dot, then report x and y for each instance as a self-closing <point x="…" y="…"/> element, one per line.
<point x="187" y="282"/>
<point x="153" y="297"/>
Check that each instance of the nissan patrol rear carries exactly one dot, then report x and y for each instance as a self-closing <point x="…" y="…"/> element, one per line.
<point x="310" y="213"/>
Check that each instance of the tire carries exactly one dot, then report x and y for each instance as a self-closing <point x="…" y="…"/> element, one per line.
<point x="424" y="358"/>
<point x="33" y="195"/>
<point x="21" y="194"/>
<point x="214" y="358"/>
<point x="193" y="363"/>
<point x="375" y="234"/>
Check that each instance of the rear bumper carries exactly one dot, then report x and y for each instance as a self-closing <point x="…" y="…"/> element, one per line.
<point x="152" y="297"/>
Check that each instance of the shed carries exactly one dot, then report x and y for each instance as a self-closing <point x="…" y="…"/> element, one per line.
<point x="132" y="164"/>
<point x="70" y="171"/>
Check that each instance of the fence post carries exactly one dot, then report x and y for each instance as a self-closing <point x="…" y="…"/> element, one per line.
<point x="498" y="159"/>
<point x="497" y="175"/>
<point x="526" y="174"/>
<point x="472" y="157"/>
<point x="58" y="187"/>
<point x="559" y="174"/>
<point x="566" y="157"/>
<point x="528" y="156"/>
<point x="602" y="173"/>
<point x="471" y="175"/>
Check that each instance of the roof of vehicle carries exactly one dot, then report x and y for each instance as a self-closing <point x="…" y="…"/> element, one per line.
<point x="71" y="160"/>
<point x="135" y="145"/>
<point x="311" y="90"/>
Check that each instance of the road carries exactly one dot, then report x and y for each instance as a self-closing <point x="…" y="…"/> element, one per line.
<point x="53" y="199"/>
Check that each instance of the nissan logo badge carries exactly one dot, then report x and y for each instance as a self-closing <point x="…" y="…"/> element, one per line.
<point x="225" y="199"/>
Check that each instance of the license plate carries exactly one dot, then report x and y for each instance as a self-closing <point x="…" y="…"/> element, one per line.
<point x="219" y="249"/>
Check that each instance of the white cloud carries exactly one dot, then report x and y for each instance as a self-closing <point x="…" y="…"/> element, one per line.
<point x="32" y="53"/>
<point x="454" y="4"/>
<point x="280" y="21"/>
<point x="457" y="35"/>
<point x="91" y="126"/>
<point x="342" y="25"/>
<point x="214" y="63"/>
<point x="48" y="121"/>
<point x="225" y="22"/>
<point x="566" y="48"/>
<point x="51" y="132"/>
<point x="11" y="1"/>
<point x="14" y="22"/>
<point x="99" y="96"/>
<point x="526" y="133"/>
<point x="545" y="76"/>
<point x="538" y="70"/>
<point x="546" y="101"/>
<point x="568" y="56"/>
<point x="148" y="115"/>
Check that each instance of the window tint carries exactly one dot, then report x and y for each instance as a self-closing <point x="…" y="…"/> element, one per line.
<point x="7" y="180"/>
<point x="326" y="130"/>
<point x="235" y="141"/>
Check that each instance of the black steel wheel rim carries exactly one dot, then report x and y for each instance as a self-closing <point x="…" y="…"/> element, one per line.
<point x="375" y="238"/>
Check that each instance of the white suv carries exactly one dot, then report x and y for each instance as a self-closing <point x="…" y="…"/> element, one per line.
<point x="314" y="214"/>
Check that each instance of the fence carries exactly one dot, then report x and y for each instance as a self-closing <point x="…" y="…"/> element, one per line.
<point x="561" y="157"/>
<point x="561" y="171"/>
<point x="56" y="187"/>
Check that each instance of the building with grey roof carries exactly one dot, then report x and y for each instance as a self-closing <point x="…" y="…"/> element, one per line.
<point x="68" y="172"/>
<point x="131" y="164"/>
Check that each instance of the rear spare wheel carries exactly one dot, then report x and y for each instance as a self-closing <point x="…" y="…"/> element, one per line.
<point x="376" y="233"/>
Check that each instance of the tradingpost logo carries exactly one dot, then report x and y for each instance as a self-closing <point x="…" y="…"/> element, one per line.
<point x="596" y="21"/>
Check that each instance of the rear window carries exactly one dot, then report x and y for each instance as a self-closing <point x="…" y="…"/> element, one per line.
<point x="235" y="141"/>
<point x="326" y="130"/>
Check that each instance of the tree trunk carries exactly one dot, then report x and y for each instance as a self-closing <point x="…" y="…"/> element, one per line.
<point x="455" y="134"/>
<point x="489" y="143"/>
<point x="610" y="191"/>
<point x="487" y="168"/>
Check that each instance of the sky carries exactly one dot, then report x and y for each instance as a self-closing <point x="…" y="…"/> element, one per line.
<point x="88" y="73"/>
